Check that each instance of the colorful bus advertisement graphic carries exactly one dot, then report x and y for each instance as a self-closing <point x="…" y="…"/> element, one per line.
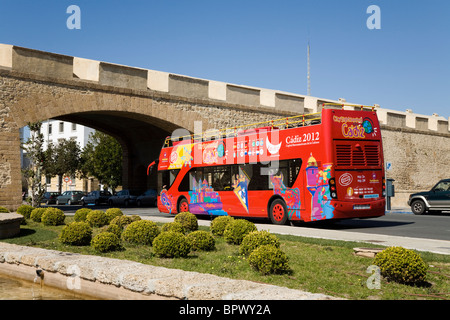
<point x="240" y="185"/>
<point x="290" y="195"/>
<point x="204" y="200"/>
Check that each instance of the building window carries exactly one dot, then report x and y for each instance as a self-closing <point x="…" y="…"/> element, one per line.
<point x="74" y="127"/>
<point x="49" y="128"/>
<point x="61" y="127"/>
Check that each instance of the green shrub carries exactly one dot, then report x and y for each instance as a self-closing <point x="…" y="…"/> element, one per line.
<point x="135" y="217"/>
<point x="255" y="239"/>
<point x="269" y="259"/>
<point x="111" y="213"/>
<point x="53" y="217"/>
<point x="25" y="210"/>
<point x="97" y="218"/>
<point x="113" y="228"/>
<point x="236" y="230"/>
<point x="80" y="214"/>
<point x="401" y="265"/>
<point x="76" y="234"/>
<point x="3" y="210"/>
<point x="122" y="221"/>
<point x="106" y="241"/>
<point x="171" y="245"/>
<point x="187" y="220"/>
<point x="141" y="232"/>
<point x="172" y="226"/>
<point x="219" y="224"/>
<point x="36" y="214"/>
<point x="201" y="241"/>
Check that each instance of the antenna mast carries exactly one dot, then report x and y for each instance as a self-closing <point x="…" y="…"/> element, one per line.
<point x="309" y="71"/>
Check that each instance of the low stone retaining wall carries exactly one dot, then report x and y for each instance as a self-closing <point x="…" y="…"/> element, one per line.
<point x="10" y="224"/>
<point x="108" y="278"/>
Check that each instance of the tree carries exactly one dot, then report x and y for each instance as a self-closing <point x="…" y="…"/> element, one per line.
<point x="62" y="159"/>
<point x="102" y="159"/>
<point x="35" y="154"/>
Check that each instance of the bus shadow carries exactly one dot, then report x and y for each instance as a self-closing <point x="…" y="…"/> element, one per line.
<point x="355" y="224"/>
<point x="347" y="224"/>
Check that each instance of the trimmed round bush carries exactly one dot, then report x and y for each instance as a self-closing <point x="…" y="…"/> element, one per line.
<point x="122" y="221"/>
<point x="111" y="213"/>
<point x="135" y="217"/>
<point x="236" y="230"/>
<point x="80" y="214"/>
<point x="113" y="228"/>
<point x="97" y="218"/>
<point x="25" y="210"/>
<point x="201" y="241"/>
<point x="268" y="259"/>
<point x="36" y="214"/>
<point x="105" y="242"/>
<point x="3" y="210"/>
<point x="171" y="245"/>
<point x="219" y="224"/>
<point x="255" y="239"/>
<point x="172" y="226"/>
<point x="401" y="265"/>
<point x="53" y="217"/>
<point x="76" y="234"/>
<point x="141" y="232"/>
<point x="187" y="220"/>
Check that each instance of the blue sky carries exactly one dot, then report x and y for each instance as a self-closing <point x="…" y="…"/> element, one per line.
<point x="262" y="43"/>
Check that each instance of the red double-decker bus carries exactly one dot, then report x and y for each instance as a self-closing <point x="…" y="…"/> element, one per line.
<point x="327" y="165"/>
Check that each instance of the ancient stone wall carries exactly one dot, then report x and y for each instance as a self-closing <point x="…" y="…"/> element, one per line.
<point x="36" y="85"/>
<point x="419" y="160"/>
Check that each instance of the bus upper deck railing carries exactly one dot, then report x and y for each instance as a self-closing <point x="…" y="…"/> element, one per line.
<point x="277" y="124"/>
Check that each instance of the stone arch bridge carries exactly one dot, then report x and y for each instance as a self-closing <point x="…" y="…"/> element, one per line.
<point x="141" y="107"/>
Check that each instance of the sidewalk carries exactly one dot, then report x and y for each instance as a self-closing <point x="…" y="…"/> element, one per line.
<point x="403" y="210"/>
<point x="419" y="244"/>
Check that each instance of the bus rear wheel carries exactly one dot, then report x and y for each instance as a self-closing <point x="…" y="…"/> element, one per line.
<point x="278" y="213"/>
<point x="183" y="206"/>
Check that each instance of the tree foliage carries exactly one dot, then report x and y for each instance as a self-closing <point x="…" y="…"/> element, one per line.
<point x="35" y="153"/>
<point x="62" y="159"/>
<point x="102" y="159"/>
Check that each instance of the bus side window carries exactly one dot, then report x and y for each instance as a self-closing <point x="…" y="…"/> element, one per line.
<point x="222" y="178"/>
<point x="186" y="183"/>
<point x="258" y="180"/>
<point x="294" y="169"/>
<point x="166" y="179"/>
<point x="163" y="180"/>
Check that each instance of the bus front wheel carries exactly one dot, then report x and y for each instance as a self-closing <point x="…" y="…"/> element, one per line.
<point x="278" y="212"/>
<point x="183" y="206"/>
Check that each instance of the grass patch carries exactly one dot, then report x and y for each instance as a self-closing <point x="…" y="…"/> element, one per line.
<point x="318" y="266"/>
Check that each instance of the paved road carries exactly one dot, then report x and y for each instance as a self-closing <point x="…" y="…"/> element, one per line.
<point x="393" y="224"/>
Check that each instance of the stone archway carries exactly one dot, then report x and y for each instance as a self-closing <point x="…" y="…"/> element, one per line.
<point x="138" y="121"/>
